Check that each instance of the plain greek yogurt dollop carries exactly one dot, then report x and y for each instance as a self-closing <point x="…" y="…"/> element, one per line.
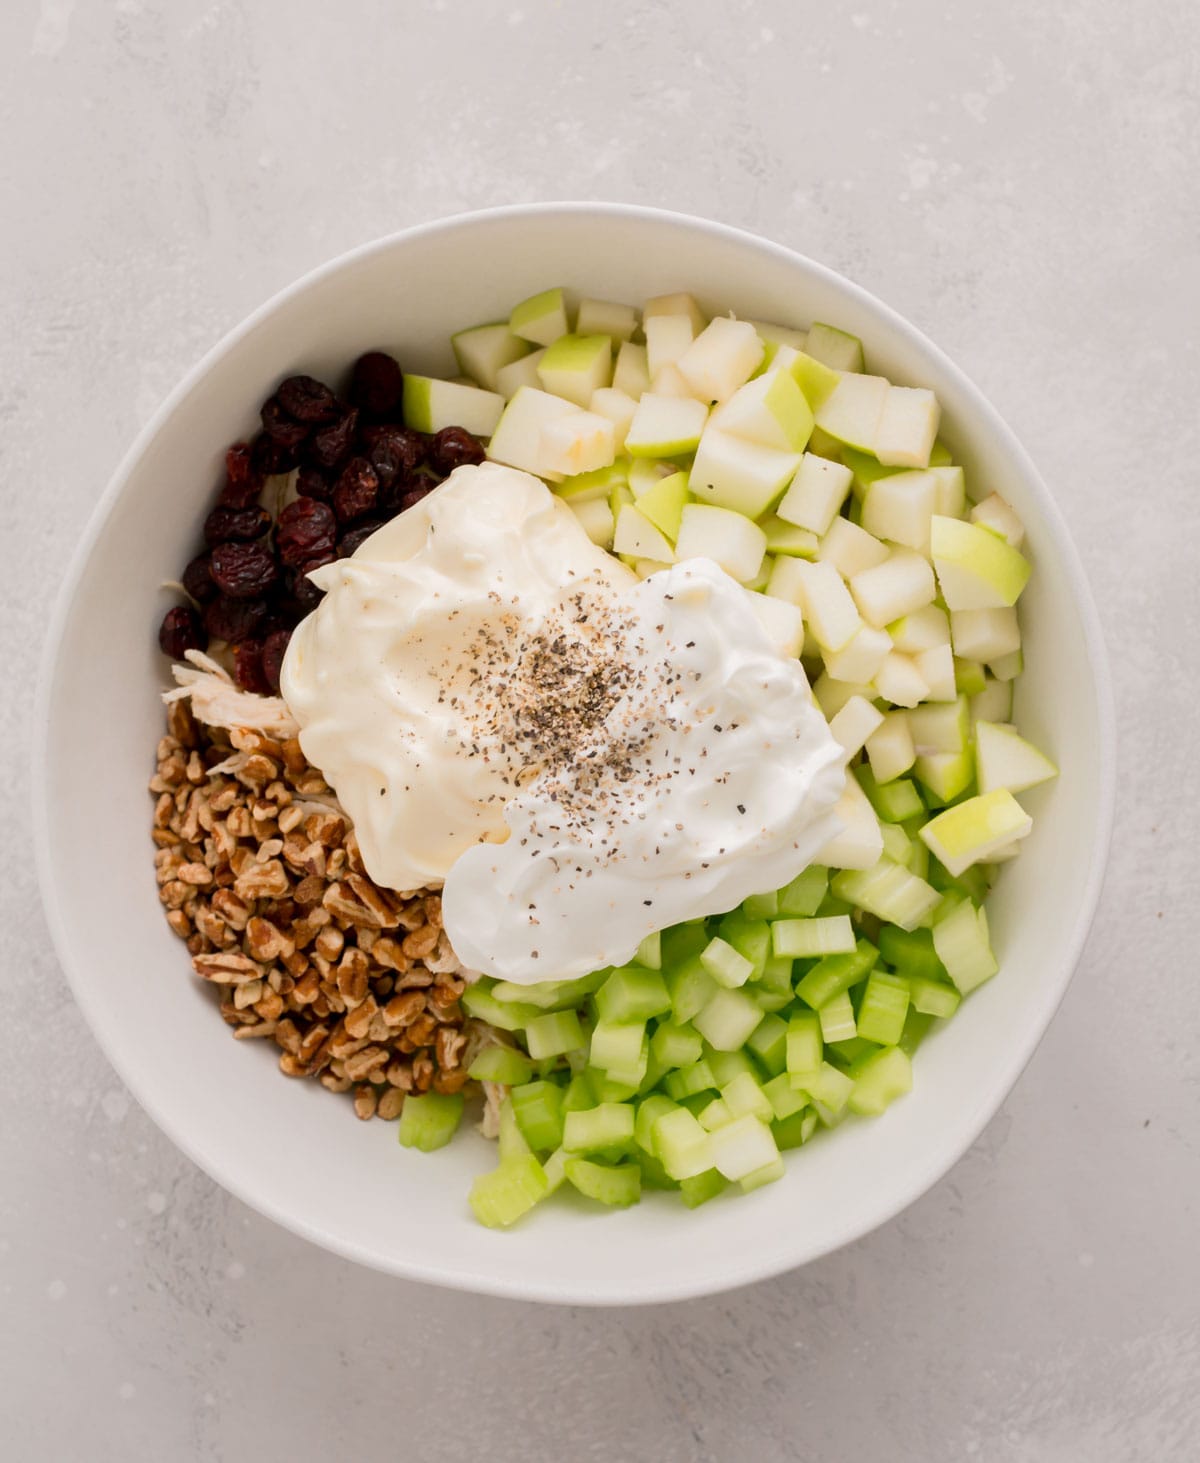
<point x="579" y="757"/>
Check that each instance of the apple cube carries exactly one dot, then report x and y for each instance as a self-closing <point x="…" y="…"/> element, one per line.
<point x="976" y="569"/>
<point x="785" y="581"/>
<point x="907" y="427"/>
<point x="783" y="623"/>
<point x="861" y="656"/>
<point x="771" y="409"/>
<point x="968" y="832"/>
<point x="579" y="443"/>
<point x="985" y="634"/>
<point x="598" y="484"/>
<point x="923" y="629"/>
<point x="860" y="843"/>
<point x="816" y="493"/>
<point x="994" y="513"/>
<point x="644" y="472"/>
<point x="946" y="774"/>
<point x="852" y="410"/>
<point x="734" y="473"/>
<point x="664" y="501"/>
<point x="679" y="304"/>
<point x="993" y="703"/>
<point x="576" y="366"/>
<point x="936" y="668"/>
<point x="893" y="589"/>
<point x="723" y="356"/>
<point x="1007" y="667"/>
<point x="517" y="440"/>
<point x="669" y="382"/>
<point x="1003" y="759"/>
<point x="831" y="696"/>
<point x="940" y="728"/>
<point x="786" y="538"/>
<point x="643" y="568"/>
<point x="899" y="681"/>
<point x="814" y="378"/>
<point x="665" y="426"/>
<point x="851" y="549"/>
<point x="667" y="338"/>
<point x="636" y="536"/>
<point x="518" y="373"/>
<point x="603" y="317"/>
<point x="729" y="539"/>
<point x="854" y="723"/>
<point x="834" y="348"/>
<point x="900" y="507"/>
<point x="430" y="405"/>
<point x="890" y="749"/>
<point x="596" y="519"/>
<point x="542" y="318"/>
<point x="620" y="410"/>
<point x="484" y="349"/>
<point x="828" y="609"/>
<point x="631" y="374"/>
<point x="951" y="490"/>
<point x="773" y="336"/>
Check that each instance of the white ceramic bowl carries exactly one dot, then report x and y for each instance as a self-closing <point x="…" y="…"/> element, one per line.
<point x="285" y="1147"/>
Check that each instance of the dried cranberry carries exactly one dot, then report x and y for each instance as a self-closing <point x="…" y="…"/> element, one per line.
<point x="244" y="571"/>
<point x="306" y="530"/>
<point x="274" y="648"/>
<point x="234" y="619"/>
<point x="180" y="631"/>
<point x="377" y="384"/>
<point x="248" y="666"/>
<point x="281" y="427"/>
<point x="351" y="539"/>
<point x="452" y="447"/>
<point x="356" y="491"/>
<point x="328" y="446"/>
<point x="270" y="457"/>
<point x="243" y="481"/>
<point x="311" y="482"/>
<point x="392" y="451"/>
<point x="416" y="490"/>
<point x="236" y="525"/>
<point x="197" y="580"/>
<point x="308" y="400"/>
<point x="303" y="593"/>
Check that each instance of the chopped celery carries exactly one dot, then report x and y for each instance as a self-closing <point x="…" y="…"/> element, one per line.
<point x="933" y="997"/>
<point x="649" y="952"/>
<point x="827" y="1085"/>
<point x="725" y="1066"/>
<point x="553" y="1034"/>
<point x="794" y="1129"/>
<point x="430" y="1120"/>
<point x="513" y="1143"/>
<point x="682" y="942"/>
<point x="656" y="1070"/>
<point x="728" y="1019"/>
<point x="714" y="1114"/>
<point x="687" y="1081"/>
<point x="617" y="1186"/>
<point x="610" y="1089"/>
<point x="767" y="1174"/>
<point x="478" y="1001"/>
<point x="654" y="1175"/>
<point x="726" y="966"/>
<point x="578" y="1093"/>
<point x="608" y="1125"/>
<point x="682" y="1145"/>
<point x="844" y="1054"/>
<point x="501" y="1197"/>
<point x="744" y="1095"/>
<point x="691" y="987"/>
<point x="632" y="993"/>
<point x="742" y="1146"/>
<point x="803" y="895"/>
<point x="702" y="1187"/>
<point x="961" y="941"/>
<point x="910" y="951"/>
<point x="761" y="906"/>
<point x="768" y="1043"/>
<point x="555" y="1169"/>
<point x="879" y="1079"/>
<point x="616" y="1047"/>
<point x="676" y="1044"/>
<point x="916" y="1025"/>
<point x="649" y="1110"/>
<point x="804" y="1043"/>
<point x="538" y="1110"/>
<point x="501" y="1064"/>
<point x="837" y="1018"/>
<point x="783" y="1097"/>
<point x="894" y="802"/>
<point x="770" y="1000"/>
<point x="836" y="973"/>
<point x="807" y="937"/>
<point x="777" y="975"/>
<point x="883" y="1007"/>
<point x="889" y="891"/>
<point x="751" y="938"/>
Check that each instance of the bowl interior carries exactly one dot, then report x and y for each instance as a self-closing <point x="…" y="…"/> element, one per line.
<point x="286" y="1147"/>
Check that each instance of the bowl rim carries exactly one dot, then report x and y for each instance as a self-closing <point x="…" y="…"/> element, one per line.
<point x="467" y="1278"/>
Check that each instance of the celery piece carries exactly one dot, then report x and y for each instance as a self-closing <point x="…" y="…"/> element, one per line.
<point x="896" y="844"/>
<point x="676" y="1044"/>
<point x="725" y="1066"/>
<point x="961" y="941"/>
<point x="555" y="1169"/>
<point x="795" y="1128"/>
<point x="656" y="1070"/>
<point x="769" y="1000"/>
<point x="910" y="951"/>
<point x="916" y="1027"/>
<point x="726" y="966"/>
<point x="682" y="942"/>
<point x="728" y="1019"/>
<point x="654" y="1175"/>
<point x="804" y="1043"/>
<point x="478" y="1001"/>
<point x="501" y="1197"/>
<point x="742" y="1146"/>
<point x="617" y="1186"/>
<point x="578" y="1093"/>
<point x="538" y="1110"/>
<point x="767" y="1174"/>
<point x="751" y="938"/>
<point x="629" y="1077"/>
<point x="761" y="906"/>
<point x="883" y="1007"/>
<point x="687" y="1081"/>
<point x="611" y="1089"/>
<point x="831" y="906"/>
<point x="691" y="987"/>
<point x="617" y="1046"/>
<point x="512" y="1142"/>
<point x="894" y="802"/>
<point x="430" y="1120"/>
<point x="834" y="974"/>
<point x="783" y="1097"/>
<point x="768" y="1043"/>
<point x="888" y="891"/>
<point x="649" y="952"/>
<point x="632" y="993"/>
<point x="745" y="1095"/>
<point x="933" y="997"/>
<point x="807" y="937"/>
<point x="501" y="1064"/>
<point x="879" y="1079"/>
<point x="702" y="1187"/>
<point x="777" y="975"/>
<point x="803" y="895"/>
<point x="553" y="1034"/>
<point x="837" y="1018"/>
<point x="542" y="994"/>
<point x="608" y="1125"/>
<point x="696" y="1102"/>
<point x="827" y="1086"/>
<point x="649" y="1110"/>
<point x="844" y="1054"/>
<point x="714" y="1114"/>
<point x="972" y="882"/>
<point x="682" y="1145"/>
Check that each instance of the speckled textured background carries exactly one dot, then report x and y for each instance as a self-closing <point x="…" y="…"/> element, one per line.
<point x="1019" y="179"/>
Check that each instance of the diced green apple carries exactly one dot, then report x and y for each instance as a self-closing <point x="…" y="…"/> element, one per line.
<point x="484" y="349"/>
<point x="664" y="501"/>
<point x="889" y="591"/>
<point x="968" y="832"/>
<point x="851" y="549"/>
<point x="854" y="722"/>
<point x="722" y="357"/>
<point x="907" y="427"/>
<point x="995" y="513"/>
<point x="667" y="338"/>
<point x="620" y="410"/>
<point x="816" y="493"/>
<point x="669" y="382"/>
<point x="940" y="728"/>
<point x="575" y="366"/>
<point x="677" y="304"/>
<point x="947" y="775"/>
<point x="726" y="537"/>
<point x="920" y="630"/>
<point x="734" y="473"/>
<point x="899" y="681"/>
<point x="1004" y="759"/>
<point x="785" y="538"/>
<point x="542" y="318"/>
<point x="828" y="609"/>
<point x="665" y="426"/>
<point x="860" y="658"/>
<point x="771" y="409"/>
<point x="890" y="749"/>
<point x="993" y="703"/>
<point x="603" y="317"/>
<point x="636" y="536"/>
<point x="860" y="843"/>
<point x="430" y="405"/>
<point x="976" y="569"/>
<point x="517" y="440"/>
<point x="785" y="581"/>
<point x="644" y="472"/>
<point x="631" y="374"/>
<point x="834" y="347"/>
<point x="813" y="377"/>
<point x="900" y="507"/>
<point x="596" y="517"/>
<point x="1007" y="667"/>
<point x="985" y="634"/>
<point x="936" y="668"/>
<point x="969" y="676"/>
<point x="782" y="621"/>
<point x="951" y="490"/>
<point x="518" y="373"/>
<point x="773" y="336"/>
<point x="597" y="484"/>
<point x="832" y="695"/>
<point x="852" y="410"/>
<point x="582" y="442"/>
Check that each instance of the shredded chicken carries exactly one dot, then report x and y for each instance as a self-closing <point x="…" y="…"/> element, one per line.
<point x="216" y="701"/>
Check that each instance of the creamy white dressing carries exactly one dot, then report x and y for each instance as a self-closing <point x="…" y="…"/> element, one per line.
<point x="581" y="758"/>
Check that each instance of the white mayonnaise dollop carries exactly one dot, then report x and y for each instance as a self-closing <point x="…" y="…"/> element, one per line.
<point x="581" y="758"/>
